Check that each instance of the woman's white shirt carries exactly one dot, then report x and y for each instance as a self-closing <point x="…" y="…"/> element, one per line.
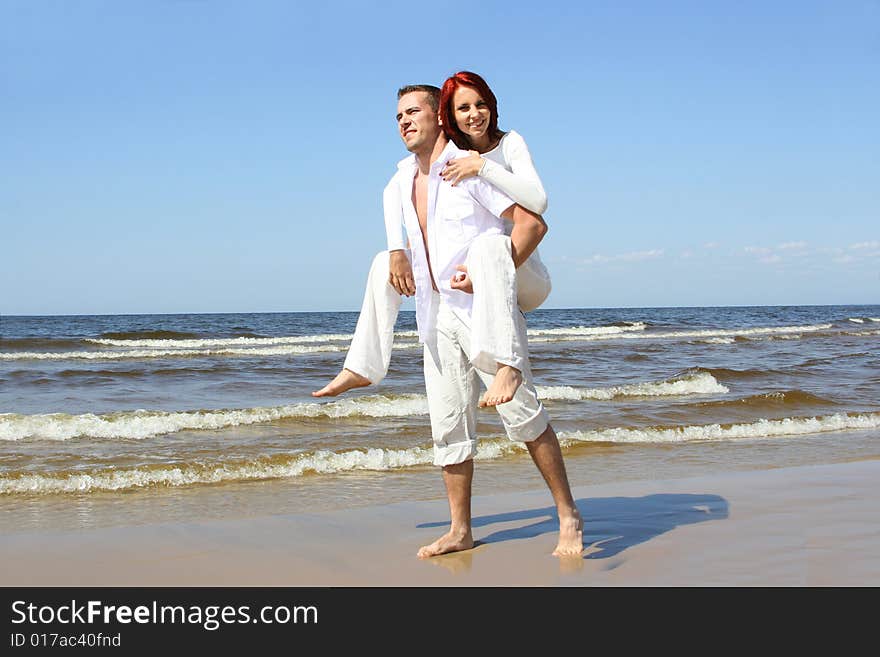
<point x="508" y="166"/>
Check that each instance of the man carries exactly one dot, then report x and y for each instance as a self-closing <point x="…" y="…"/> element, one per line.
<point x="453" y="230"/>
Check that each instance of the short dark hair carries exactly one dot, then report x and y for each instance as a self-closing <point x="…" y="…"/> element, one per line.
<point x="432" y="91"/>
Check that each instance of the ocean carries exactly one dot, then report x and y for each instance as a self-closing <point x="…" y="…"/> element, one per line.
<point x="137" y="419"/>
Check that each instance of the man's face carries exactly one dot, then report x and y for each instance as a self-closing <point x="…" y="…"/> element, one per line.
<point x="417" y="121"/>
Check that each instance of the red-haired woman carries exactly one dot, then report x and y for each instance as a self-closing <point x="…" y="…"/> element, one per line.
<point x="469" y="115"/>
<point x="469" y="112"/>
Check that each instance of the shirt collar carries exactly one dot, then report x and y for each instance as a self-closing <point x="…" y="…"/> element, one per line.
<point x="449" y="152"/>
<point x="409" y="162"/>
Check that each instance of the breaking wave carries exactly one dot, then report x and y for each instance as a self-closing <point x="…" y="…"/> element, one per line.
<point x="793" y="426"/>
<point x="772" y="331"/>
<point x="179" y="353"/>
<point x="142" y="424"/>
<point x="700" y="383"/>
<point x="324" y="462"/>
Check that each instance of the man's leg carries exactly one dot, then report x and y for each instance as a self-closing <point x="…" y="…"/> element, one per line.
<point x="526" y="420"/>
<point x="370" y="352"/>
<point x="547" y="455"/>
<point x="458" y="479"/>
<point x="452" y="388"/>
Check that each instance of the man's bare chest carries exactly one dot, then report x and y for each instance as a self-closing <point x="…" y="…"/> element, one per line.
<point x="420" y="200"/>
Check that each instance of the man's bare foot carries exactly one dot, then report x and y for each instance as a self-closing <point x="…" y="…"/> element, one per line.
<point x="449" y="542"/>
<point x="571" y="536"/>
<point x="504" y="386"/>
<point x="345" y="380"/>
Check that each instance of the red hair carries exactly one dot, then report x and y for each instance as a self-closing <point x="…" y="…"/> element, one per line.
<point x="447" y="112"/>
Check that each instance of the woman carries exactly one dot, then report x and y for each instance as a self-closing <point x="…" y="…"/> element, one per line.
<point x="469" y="115"/>
<point x="469" y="112"/>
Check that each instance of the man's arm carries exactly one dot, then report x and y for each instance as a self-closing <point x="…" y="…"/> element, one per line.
<point x="528" y="231"/>
<point x="400" y="274"/>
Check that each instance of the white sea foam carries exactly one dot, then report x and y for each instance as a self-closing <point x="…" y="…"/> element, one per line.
<point x="294" y="345"/>
<point x="857" y="320"/>
<point x="142" y="424"/>
<point x="701" y="383"/>
<point x="753" y="430"/>
<point x="377" y="459"/>
<point x="320" y="462"/>
<point x="590" y="330"/>
<point x="861" y="333"/>
<point x="179" y="353"/>
<point x="718" y="340"/>
<point x="201" y="343"/>
<point x="702" y="333"/>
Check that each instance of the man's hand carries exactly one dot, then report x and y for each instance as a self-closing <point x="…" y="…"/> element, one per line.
<point x="400" y="273"/>
<point x="462" y="167"/>
<point x="462" y="281"/>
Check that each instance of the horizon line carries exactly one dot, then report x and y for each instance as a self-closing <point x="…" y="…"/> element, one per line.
<point x="303" y="312"/>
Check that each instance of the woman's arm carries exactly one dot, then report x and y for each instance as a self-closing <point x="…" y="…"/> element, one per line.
<point x="522" y="182"/>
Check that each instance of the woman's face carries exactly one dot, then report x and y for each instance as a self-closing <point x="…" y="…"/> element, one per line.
<point x="471" y="115"/>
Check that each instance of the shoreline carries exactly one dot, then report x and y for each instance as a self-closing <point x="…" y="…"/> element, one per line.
<point x="816" y="525"/>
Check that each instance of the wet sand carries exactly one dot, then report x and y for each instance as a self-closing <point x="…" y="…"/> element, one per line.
<point x="804" y="526"/>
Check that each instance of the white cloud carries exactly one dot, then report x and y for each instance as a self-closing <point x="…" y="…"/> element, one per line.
<point x="865" y="245"/>
<point x="633" y="256"/>
<point x="643" y="255"/>
<point x="711" y="245"/>
<point x="758" y="250"/>
<point x="792" y="245"/>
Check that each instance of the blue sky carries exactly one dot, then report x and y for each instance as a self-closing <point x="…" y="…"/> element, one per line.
<point x="217" y="156"/>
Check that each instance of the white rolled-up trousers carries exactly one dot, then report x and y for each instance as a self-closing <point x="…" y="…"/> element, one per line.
<point x="501" y="291"/>
<point x="453" y="386"/>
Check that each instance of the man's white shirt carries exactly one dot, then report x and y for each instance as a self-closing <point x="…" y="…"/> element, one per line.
<point x="456" y="215"/>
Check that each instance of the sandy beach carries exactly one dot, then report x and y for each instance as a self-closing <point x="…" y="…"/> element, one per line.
<point x="805" y="526"/>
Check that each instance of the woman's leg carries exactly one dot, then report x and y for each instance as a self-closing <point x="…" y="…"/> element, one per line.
<point x="500" y="292"/>
<point x="493" y="276"/>
<point x="370" y="351"/>
<point x="532" y="283"/>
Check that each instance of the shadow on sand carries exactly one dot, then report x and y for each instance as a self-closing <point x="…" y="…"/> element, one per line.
<point x="611" y="524"/>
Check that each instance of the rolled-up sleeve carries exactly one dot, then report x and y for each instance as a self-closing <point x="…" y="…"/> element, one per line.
<point x="393" y="210"/>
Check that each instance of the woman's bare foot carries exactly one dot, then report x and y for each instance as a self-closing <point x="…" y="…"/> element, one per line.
<point x="345" y="380"/>
<point x="449" y="542"/>
<point x="504" y="386"/>
<point x="571" y="536"/>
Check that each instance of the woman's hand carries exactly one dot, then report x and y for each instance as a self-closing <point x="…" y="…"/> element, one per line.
<point x="462" y="167"/>
<point x="462" y="281"/>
